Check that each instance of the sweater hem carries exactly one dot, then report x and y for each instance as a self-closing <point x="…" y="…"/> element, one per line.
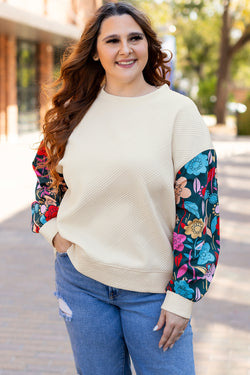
<point x="117" y="277"/>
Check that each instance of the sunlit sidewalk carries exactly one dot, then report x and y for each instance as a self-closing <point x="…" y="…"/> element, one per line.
<point x="33" y="340"/>
<point x="221" y="321"/>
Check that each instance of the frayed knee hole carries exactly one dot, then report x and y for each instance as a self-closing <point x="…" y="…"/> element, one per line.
<point x="65" y="308"/>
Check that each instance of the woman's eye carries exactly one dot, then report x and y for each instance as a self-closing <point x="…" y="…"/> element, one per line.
<point x="113" y="41"/>
<point x="137" y="37"/>
<point x="132" y="39"/>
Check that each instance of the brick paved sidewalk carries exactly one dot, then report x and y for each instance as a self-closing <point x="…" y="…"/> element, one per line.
<point x="222" y="320"/>
<point x="33" y="339"/>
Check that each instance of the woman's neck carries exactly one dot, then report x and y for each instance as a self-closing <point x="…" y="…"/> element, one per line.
<point x="138" y="89"/>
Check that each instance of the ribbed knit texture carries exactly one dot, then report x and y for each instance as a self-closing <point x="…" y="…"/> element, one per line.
<point x="120" y="165"/>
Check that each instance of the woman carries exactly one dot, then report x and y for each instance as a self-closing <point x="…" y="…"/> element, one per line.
<point x="127" y="196"/>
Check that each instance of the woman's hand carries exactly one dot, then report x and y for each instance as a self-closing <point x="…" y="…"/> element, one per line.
<point x="61" y="245"/>
<point x="174" y="328"/>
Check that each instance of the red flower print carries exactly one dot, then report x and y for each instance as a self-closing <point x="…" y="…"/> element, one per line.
<point x="41" y="150"/>
<point x="52" y="212"/>
<point x="203" y="191"/>
<point x="217" y="258"/>
<point x="178" y="259"/>
<point x="211" y="175"/>
<point x="170" y="286"/>
<point x="218" y="226"/>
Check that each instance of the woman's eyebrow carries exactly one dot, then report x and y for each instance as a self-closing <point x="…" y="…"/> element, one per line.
<point x="117" y="36"/>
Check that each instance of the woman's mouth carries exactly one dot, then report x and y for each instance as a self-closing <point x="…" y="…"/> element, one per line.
<point x="126" y="63"/>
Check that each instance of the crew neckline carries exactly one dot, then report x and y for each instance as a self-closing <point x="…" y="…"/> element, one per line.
<point x="107" y="95"/>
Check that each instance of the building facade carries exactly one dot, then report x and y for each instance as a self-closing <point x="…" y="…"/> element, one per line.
<point x="33" y="36"/>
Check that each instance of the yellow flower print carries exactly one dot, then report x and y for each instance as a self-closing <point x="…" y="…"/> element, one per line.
<point x="194" y="228"/>
<point x="180" y="190"/>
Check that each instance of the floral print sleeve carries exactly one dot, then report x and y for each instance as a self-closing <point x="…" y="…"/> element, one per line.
<point x="47" y="202"/>
<point x="196" y="242"/>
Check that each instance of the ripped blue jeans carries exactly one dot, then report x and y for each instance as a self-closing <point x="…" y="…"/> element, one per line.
<point x="108" y="326"/>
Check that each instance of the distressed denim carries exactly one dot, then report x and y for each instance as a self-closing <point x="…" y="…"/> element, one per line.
<point x="108" y="326"/>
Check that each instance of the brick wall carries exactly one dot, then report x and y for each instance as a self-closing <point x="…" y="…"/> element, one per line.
<point x="8" y="87"/>
<point x="65" y="11"/>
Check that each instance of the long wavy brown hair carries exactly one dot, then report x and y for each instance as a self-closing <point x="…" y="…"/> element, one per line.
<point x="81" y="79"/>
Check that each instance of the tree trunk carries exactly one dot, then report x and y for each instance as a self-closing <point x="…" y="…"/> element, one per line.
<point x="224" y="64"/>
<point x="222" y="90"/>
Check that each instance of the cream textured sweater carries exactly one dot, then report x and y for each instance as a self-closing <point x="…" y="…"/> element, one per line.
<point x="120" y="165"/>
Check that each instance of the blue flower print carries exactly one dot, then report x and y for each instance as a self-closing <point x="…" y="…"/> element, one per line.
<point x="205" y="256"/>
<point x="181" y="287"/>
<point x="213" y="199"/>
<point x="43" y="219"/>
<point x="206" y="195"/>
<point x="197" y="165"/>
<point x="194" y="266"/>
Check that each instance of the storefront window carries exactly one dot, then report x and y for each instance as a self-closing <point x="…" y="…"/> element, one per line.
<point x="27" y="86"/>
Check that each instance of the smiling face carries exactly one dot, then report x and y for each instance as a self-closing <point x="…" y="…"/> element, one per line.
<point x="122" y="48"/>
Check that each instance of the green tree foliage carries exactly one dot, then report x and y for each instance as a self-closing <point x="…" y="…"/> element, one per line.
<point x="197" y="54"/>
<point x="159" y="13"/>
<point x="235" y="20"/>
<point x="198" y="38"/>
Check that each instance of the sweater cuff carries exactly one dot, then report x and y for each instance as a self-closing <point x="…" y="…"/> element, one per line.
<point x="49" y="230"/>
<point x="177" y="304"/>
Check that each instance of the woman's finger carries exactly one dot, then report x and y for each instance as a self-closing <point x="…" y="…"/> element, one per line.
<point x="175" y="335"/>
<point x="174" y="328"/>
<point x="161" y="321"/>
<point x="167" y="332"/>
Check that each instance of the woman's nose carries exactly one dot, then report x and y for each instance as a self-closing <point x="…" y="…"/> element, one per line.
<point x="125" y="48"/>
